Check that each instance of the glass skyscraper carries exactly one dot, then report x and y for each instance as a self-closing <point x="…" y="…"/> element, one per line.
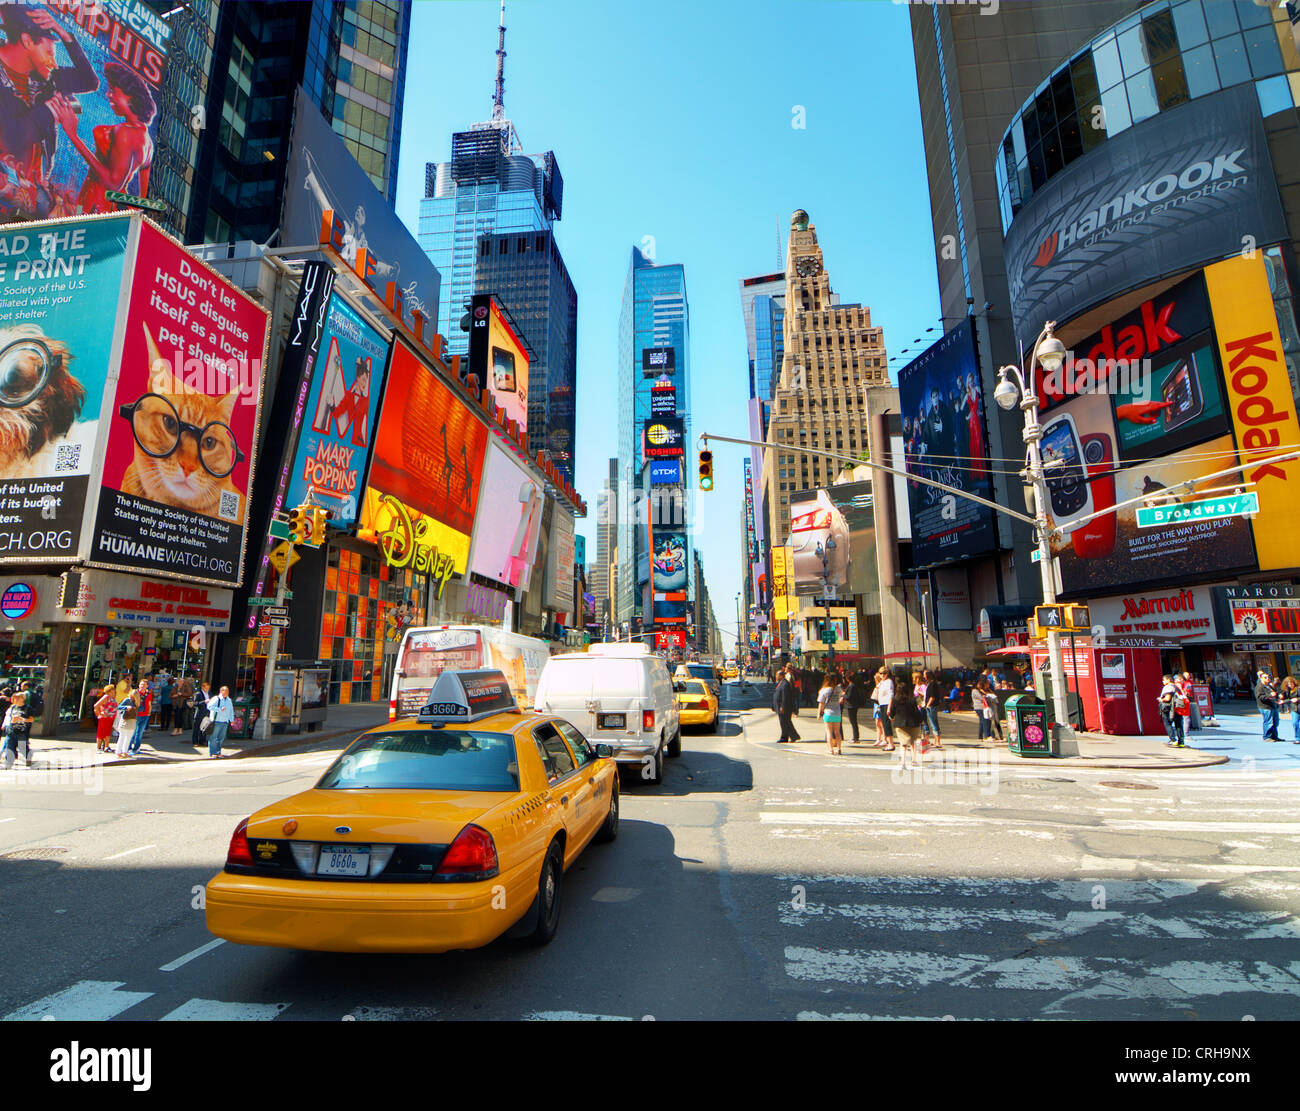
<point x="654" y="314"/>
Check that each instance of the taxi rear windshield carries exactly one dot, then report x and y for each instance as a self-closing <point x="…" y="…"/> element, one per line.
<point x="426" y="760"/>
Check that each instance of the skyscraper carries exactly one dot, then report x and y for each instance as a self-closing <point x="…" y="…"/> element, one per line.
<point x="602" y="575"/>
<point x="527" y="274"/>
<point x="489" y="186"/>
<point x="221" y="170"/>
<point x="654" y="318"/>
<point x="832" y="354"/>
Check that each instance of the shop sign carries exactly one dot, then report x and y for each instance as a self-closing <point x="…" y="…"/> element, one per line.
<point x="131" y="600"/>
<point x="1257" y="610"/>
<point x="17" y="601"/>
<point x="485" y="601"/>
<point x="1186" y="614"/>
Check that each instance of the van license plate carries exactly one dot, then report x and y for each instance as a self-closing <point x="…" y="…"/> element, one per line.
<point x="611" y="721"/>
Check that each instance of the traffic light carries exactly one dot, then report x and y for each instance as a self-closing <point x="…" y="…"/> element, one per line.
<point x="318" y="519"/>
<point x="706" y="470"/>
<point x="298" y="526"/>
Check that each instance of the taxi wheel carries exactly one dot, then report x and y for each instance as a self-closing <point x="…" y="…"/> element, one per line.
<point x="675" y="745"/>
<point x="609" y="831"/>
<point x="548" y="896"/>
<point x="713" y="725"/>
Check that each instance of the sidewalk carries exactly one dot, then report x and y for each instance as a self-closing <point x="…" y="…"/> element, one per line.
<point x="1096" y="750"/>
<point x="77" y="750"/>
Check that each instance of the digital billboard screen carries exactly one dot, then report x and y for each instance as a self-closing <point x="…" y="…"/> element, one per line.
<point x="668" y="562"/>
<point x="663" y="400"/>
<point x="85" y="122"/>
<point x="664" y="438"/>
<point x="658" y="360"/>
<point x="509" y="521"/>
<point x="945" y="439"/>
<point x="666" y="472"/>
<point x="498" y="357"/>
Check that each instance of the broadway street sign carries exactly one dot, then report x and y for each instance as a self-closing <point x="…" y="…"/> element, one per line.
<point x="1207" y="509"/>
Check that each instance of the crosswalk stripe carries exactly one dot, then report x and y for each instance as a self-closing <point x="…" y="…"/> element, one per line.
<point x="212" y="1010"/>
<point x="930" y="823"/>
<point x="85" y="1001"/>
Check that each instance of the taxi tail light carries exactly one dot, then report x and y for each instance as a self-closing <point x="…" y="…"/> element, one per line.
<point x="240" y="852"/>
<point x="647" y="719"/>
<point x="473" y="855"/>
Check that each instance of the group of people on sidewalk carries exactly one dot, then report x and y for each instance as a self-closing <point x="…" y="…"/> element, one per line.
<point x="125" y="712"/>
<point x="905" y="709"/>
<point x="1273" y="700"/>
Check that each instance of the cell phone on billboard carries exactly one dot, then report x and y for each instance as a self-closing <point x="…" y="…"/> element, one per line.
<point x="1063" y="462"/>
<point x="1182" y="389"/>
<point x="1096" y="539"/>
<point x="503" y="370"/>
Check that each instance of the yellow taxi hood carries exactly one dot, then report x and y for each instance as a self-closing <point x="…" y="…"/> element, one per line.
<point x="423" y="817"/>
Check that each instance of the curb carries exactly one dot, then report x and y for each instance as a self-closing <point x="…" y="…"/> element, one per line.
<point x="299" y="740"/>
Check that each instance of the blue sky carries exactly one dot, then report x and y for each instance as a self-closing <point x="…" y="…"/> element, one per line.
<point x="673" y="119"/>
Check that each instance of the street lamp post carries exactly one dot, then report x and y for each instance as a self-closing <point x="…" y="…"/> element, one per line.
<point x="740" y="630"/>
<point x="1049" y="353"/>
<point x="824" y="554"/>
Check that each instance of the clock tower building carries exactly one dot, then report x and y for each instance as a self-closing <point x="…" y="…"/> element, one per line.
<point x="833" y="357"/>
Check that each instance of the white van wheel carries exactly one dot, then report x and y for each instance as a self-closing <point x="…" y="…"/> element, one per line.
<point x="658" y="776"/>
<point x="675" y="745"/>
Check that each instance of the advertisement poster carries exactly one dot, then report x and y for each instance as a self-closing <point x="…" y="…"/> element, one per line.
<point x="667" y="472"/>
<point x="54" y="371"/>
<point x="1259" y="398"/>
<point x="340" y="415"/>
<point x="664" y="438"/>
<point x="783" y="601"/>
<point x="1180" y="397"/>
<point x="178" y="464"/>
<point x="559" y="566"/>
<point x="498" y="357"/>
<point x="509" y="522"/>
<point x="945" y="439"/>
<point x="669" y="562"/>
<point x="322" y="174"/>
<point x="427" y="459"/>
<point x="670" y="608"/>
<point x="86" y="119"/>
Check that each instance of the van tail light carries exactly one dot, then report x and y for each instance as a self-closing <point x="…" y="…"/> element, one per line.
<point x="472" y="856"/>
<point x="392" y="710"/>
<point x="647" y="719"/>
<point x="240" y="852"/>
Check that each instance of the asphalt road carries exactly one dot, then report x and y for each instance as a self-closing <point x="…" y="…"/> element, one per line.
<point x="754" y="883"/>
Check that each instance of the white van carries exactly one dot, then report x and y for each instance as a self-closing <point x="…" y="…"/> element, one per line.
<point x="616" y="694"/>
<point x="426" y="652"/>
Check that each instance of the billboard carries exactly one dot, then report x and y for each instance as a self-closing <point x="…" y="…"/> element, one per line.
<point x="422" y="491"/>
<point x="1260" y="399"/>
<point x="322" y="174"/>
<point x="663" y="399"/>
<point x="85" y="123"/>
<point x="1173" y="192"/>
<point x="945" y="439"/>
<point x="670" y="608"/>
<point x="334" y="443"/>
<point x="55" y="368"/>
<point x="498" y="356"/>
<point x="664" y="438"/>
<point x="182" y="436"/>
<point x="658" y="360"/>
<point x="509" y="522"/>
<point x="666" y="472"/>
<point x="783" y="600"/>
<point x="668" y="562"/>
<point x="558" y="594"/>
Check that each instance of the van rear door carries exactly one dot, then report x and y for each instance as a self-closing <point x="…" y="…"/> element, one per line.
<point x="425" y="654"/>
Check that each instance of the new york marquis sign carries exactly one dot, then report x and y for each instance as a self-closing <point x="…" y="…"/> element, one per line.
<point x="1236" y="505"/>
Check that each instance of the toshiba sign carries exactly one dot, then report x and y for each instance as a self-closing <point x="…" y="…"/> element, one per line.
<point x="1171" y="193"/>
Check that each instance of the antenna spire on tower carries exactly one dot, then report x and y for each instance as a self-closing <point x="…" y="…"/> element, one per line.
<point x="498" y="101"/>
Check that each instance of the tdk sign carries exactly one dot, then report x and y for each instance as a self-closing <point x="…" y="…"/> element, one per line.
<point x="665" y="472"/>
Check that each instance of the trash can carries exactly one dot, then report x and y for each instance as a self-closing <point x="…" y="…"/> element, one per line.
<point x="247" y="707"/>
<point x="1029" y="727"/>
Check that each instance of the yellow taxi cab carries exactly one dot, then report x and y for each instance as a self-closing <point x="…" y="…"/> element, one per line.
<point x="426" y="835"/>
<point x="730" y="673"/>
<point x="696" y="702"/>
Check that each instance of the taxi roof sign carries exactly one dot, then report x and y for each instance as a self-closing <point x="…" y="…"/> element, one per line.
<point x="464" y="696"/>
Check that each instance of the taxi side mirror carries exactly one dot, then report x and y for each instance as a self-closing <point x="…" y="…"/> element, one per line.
<point x="604" y="752"/>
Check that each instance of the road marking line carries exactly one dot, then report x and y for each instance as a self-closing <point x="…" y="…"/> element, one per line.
<point x="213" y="1010"/>
<point x="573" y="1016"/>
<point x="85" y="1001"/>
<point x="918" y="822"/>
<point x="172" y="966"/>
<point x="390" y="1014"/>
<point x="128" y="852"/>
<point x="3" y="820"/>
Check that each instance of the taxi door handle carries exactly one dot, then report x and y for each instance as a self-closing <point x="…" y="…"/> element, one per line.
<point x="564" y="800"/>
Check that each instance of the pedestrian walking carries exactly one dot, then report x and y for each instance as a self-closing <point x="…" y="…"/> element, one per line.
<point x="986" y="709"/>
<point x="125" y="685"/>
<point x="105" y="711"/>
<point x="182" y="695"/>
<point x="885" y="690"/>
<point x="17" y="730"/>
<point x="222" y="710"/>
<point x="907" y="721"/>
<point x="124" y="723"/>
<point x="199" y="704"/>
<point x="1288" y="702"/>
<point x="1266" y="700"/>
<point x="933" y="696"/>
<point x="828" y="705"/>
<point x="144" y="707"/>
<point x="785" y="700"/>
<point x="1169" y="716"/>
<point x="166" y="684"/>
<point x="855" y="699"/>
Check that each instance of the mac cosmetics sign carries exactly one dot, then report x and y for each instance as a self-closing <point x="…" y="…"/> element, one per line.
<point x="1176" y="191"/>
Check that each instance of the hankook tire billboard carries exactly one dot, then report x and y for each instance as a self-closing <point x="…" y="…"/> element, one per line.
<point x="1179" y="190"/>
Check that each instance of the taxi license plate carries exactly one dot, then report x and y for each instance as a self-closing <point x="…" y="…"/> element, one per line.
<point x="343" y="860"/>
<point x="611" y="721"/>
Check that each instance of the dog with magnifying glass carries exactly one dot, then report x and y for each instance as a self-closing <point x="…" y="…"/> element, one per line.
<point x="40" y="402"/>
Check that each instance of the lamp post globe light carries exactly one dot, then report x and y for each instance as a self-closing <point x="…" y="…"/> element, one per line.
<point x="1049" y="353"/>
